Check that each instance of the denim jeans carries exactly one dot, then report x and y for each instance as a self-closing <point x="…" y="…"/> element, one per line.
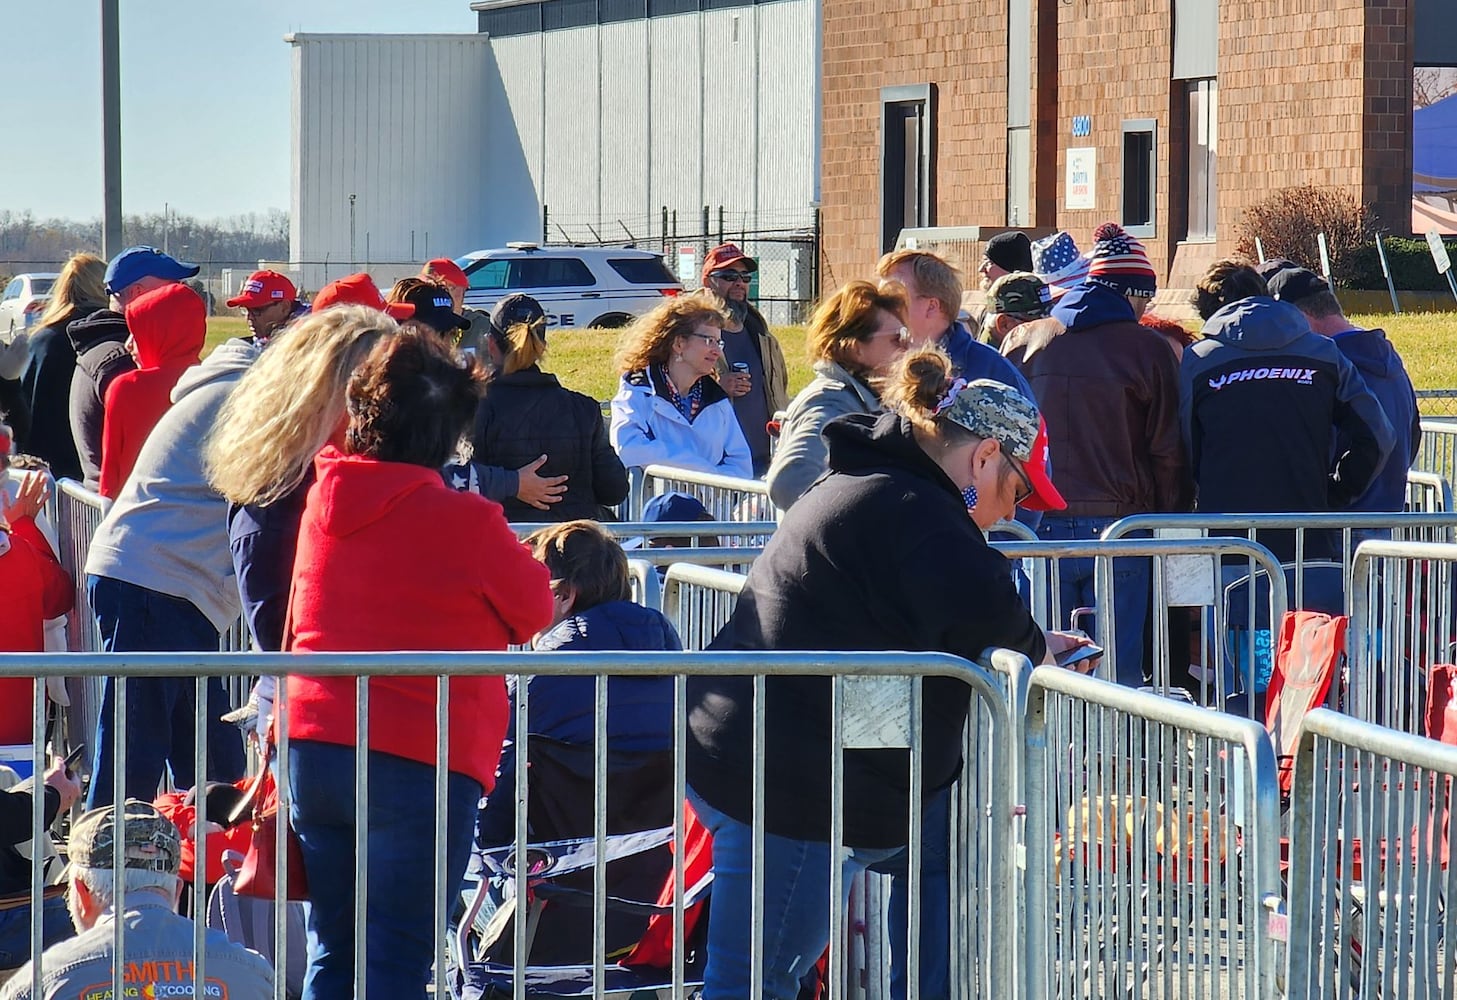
<point x="56" y="926"/>
<point x="400" y="940"/>
<point x="935" y="904"/>
<point x="159" y="710"/>
<point x="796" y="905"/>
<point x="1076" y="588"/>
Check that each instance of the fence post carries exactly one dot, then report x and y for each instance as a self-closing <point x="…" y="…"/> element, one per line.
<point x="545" y="225"/>
<point x="1386" y="270"/>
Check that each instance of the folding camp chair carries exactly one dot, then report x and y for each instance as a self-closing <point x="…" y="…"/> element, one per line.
<point x="1313" y="586"/>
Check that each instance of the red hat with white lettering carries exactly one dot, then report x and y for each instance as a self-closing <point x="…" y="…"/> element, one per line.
<point x="263" y="288"/>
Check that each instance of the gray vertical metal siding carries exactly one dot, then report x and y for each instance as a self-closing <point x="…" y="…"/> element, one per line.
<point x="730" y="141"/>
<point x="514" y="169"/>
<point x="389" y="119"/>
<point x="676" y="166"/>
<point x="1196" y="39"/>
<point x="626" y="150"/>
<point x="788" y="165"/>
<point x="573" y="120"/>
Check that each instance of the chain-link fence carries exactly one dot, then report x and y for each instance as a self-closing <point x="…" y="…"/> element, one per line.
<point x="1439" y="404"/>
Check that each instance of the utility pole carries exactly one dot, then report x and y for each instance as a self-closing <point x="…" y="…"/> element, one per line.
<point x="352" y="255"/>
<point x="166" y="235"/>
<point x="110" y="128"/>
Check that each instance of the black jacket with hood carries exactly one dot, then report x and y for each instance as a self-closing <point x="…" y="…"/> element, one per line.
<point x="880" y="555"/>
<point x="1381" y="368"/>
<point x="47" y="385"/>
<point x="1263" y="402"/>
<point x="101" y="355"/>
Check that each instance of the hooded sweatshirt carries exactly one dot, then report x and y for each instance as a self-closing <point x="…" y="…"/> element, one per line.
<point x="880" y="555"/>
<point x="1263" y="401"/>
<point x="101" y="355"/>
<point x="1384" y="374"/>
<point x="391" y="559"/>
<point x="168" y="530"/>
<point x="168" y="326"/>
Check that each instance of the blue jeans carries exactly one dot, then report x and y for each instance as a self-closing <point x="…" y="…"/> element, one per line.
<point x="935" y="904"/>
<point x="159" y="710"/>
<point x="56" y="926"/>
<point x="796" y="905"/>
<point x="1076" y="586"/>
<point x="400" y="941"/>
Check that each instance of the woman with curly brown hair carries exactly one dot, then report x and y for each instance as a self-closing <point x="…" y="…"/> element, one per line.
<point x="670" y="409"/>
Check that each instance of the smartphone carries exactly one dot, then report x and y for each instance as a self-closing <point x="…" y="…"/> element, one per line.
<point x="1078" y="654"/>
<point x="73" y="758"/>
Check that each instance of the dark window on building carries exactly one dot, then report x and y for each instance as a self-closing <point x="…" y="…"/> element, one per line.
<point x="661" y="8"/>
<point x="549" y="272"/>
<point x="1203" y="126"/>
<point x="568" y="13"/>
<point x="487" y="275"/>
<point x="907" y="160"/>
<point x="1140" y="170"/>
<point x="612" y="11"/>
<point x="643" y="270"/>
<point x="522" y="20"/>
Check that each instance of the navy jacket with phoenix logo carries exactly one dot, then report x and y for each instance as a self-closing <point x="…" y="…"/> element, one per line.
<point x="1263" y="401"/>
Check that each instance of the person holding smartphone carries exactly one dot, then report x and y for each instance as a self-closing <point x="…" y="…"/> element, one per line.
<point x="61" y="789"/>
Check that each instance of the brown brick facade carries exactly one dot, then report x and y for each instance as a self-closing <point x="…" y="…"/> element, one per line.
<point x="1309" y="91"/>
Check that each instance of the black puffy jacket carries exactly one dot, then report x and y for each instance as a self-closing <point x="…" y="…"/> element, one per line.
<point x="527" y="414"/>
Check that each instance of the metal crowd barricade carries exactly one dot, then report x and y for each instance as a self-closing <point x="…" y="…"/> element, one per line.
<point x="1373" y="896"/>
<point x="1428" y="492"/>
<point x="648" y="567"/>
<point x="726" y="498"/>
<point x="1402" y="623"/>
<point x="1438" y="452"/>
<point x="694" y="532"/>
<point x="876" y="701"/>
<point x="698" y="600"/>
<point x="1152" y="846"/>
<point x="1185" y="572"/>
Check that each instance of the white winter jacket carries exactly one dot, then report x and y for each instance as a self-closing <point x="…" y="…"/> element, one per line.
<point x="647" y="429"/>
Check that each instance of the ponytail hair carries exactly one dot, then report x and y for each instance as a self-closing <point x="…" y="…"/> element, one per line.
<point x="915" y="387"/>
<point x="522" y="345"/>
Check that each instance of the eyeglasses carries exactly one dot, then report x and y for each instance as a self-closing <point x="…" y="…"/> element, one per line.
<point x="708" y="339"/>
<point x="1025" y="491"/>
<point x="731" y="276"/>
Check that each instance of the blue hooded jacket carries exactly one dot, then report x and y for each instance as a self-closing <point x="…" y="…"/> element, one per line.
<point x="1087" y="306"/>
<point x="1381" y="368"/>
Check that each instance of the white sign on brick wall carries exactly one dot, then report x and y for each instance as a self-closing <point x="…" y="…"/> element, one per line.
<point x="1082" y="178"/>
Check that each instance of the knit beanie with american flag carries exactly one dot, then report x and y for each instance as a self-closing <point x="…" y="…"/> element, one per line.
<point x="1120" y="263"/>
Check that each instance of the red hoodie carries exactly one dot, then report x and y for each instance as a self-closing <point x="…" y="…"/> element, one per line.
<point x="169" y="326"/>
<point x="392" y="559"/>
<point x="34" y="588"/>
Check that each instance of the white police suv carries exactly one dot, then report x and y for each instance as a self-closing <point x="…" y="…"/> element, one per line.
<point x="599" y="287"/>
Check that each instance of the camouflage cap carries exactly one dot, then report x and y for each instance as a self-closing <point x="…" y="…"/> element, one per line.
<point x="993" y="410"/>
<point x="152" y="840"/>
<point x="1020" y="293"/>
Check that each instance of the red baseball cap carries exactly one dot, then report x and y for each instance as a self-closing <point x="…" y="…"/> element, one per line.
<point x="263" y="288"/>
<point x="726" y="255"/>
<point x="359" y="290"/>
<point x="447" y="271"/>
<point x="1044" y="495"/>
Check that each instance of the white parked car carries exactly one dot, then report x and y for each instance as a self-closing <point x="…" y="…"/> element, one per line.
<point x="24" y="299"/>
<point x="600" y="287"/>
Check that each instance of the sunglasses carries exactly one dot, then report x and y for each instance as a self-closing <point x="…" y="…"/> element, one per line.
<point x="741" y="276"/>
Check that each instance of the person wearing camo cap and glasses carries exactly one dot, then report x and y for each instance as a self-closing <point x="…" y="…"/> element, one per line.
<point x="157" y="942"/>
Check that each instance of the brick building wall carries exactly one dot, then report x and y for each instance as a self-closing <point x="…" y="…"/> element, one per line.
<point x="1309" y="91"/>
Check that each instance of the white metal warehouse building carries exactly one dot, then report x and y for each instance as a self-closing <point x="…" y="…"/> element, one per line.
<point x="602" y="115"/>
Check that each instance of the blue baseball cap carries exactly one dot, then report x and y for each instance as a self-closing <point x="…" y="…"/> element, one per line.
<point x="675" y="507"/>
<point x="135" y="263"/>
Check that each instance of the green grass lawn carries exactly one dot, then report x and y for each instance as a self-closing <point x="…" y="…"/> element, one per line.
<point x="582" y="359"/>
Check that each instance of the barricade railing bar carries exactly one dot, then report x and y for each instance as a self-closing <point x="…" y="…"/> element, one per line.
<point x="699" y="600"/>
<point x="1438" y="451"/>
<point x="1185" y="572"/>
<point x="1314" y="538"/>
<point x="696" y="532"/>
<point x="726" y="498"/>
<point x="1373" y="895"/>
<point x="1152" y="845"/>
<point x="987" y="879"/>
<point x="1428" y="492"/>
<point x="1402" y="623"/>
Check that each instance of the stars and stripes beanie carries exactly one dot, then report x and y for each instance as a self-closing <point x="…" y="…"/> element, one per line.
<point x="1120" y="263"/>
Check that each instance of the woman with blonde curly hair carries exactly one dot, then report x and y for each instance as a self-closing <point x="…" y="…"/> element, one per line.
<point x="854" y="338"/>
<point x="260" y="455"/>
<point x="670" y="409"/>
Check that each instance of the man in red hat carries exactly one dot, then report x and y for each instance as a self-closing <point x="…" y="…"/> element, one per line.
<point x="270" y="302"/>
<point x="359" y="290"/>
<point x="752" y="369"/>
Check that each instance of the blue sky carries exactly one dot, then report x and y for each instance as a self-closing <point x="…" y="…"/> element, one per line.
<point x="205" y="98"/>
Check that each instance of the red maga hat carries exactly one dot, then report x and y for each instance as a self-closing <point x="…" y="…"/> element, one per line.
<point x="263" y="288"/>
<point x="359" y="290"/>
<point x="446" y="270"/>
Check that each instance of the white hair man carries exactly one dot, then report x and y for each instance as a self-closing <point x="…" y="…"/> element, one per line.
<point x="156" y="941"/>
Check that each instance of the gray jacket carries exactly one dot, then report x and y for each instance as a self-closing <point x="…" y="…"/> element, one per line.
<point x="802" y="457"/>
<point x="168" y="530"/>
<point x="157" y="950"/>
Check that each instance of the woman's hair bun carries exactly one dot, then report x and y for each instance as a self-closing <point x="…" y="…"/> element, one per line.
<point x="918" y="381"/>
